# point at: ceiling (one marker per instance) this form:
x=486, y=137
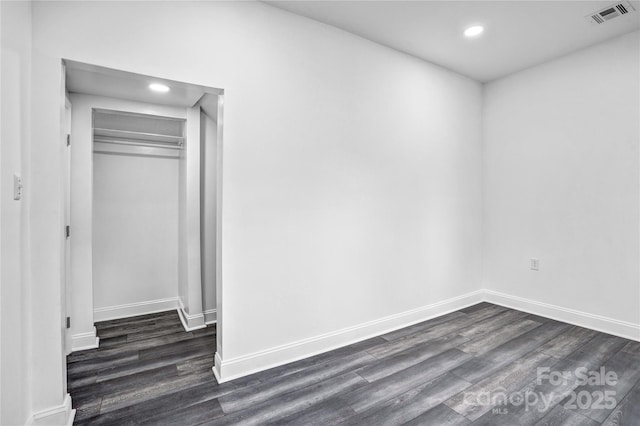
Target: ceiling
x=518, y=34
x=100, y=81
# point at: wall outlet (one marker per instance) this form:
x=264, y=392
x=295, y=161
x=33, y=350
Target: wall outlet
x=535, y=264
x=17, y=187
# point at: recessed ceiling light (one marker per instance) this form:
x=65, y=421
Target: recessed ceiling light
x=157, y=87
x=474, y=31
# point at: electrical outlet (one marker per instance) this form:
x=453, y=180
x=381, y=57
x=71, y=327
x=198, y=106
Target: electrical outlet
x=17, y=187
x=535, y=264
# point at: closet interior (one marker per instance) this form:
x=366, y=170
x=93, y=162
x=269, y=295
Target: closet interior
x=136, y=208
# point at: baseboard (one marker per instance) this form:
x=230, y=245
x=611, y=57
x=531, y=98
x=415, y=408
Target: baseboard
x=595, y=322
x=190, y=322
x=226, y=370
x=217, y=361
x=134, y=309
x=83, y=341
x=210, y=316
x=63, y=414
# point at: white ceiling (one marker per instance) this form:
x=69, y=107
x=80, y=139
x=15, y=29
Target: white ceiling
x=518, y=34
x=101, y=81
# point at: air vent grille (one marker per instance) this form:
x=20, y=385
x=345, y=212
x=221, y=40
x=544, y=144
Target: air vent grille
x=610, y=12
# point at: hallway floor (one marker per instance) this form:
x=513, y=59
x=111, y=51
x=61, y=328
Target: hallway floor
x=452, y=370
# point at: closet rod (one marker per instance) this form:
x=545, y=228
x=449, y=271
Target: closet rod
x=136, y=143
x=140, y=135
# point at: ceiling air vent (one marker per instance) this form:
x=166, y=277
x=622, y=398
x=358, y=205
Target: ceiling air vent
x=608, y=13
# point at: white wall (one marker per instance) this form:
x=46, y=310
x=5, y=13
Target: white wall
x=189, y=270
x=561, y=181
x=135, y=228
x=208, y=195
x=352, y=173
x=15, y=309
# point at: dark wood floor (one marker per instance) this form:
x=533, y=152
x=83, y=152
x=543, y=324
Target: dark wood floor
x=149, y=371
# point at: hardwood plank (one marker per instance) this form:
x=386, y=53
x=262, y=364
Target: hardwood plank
x=283, y=385
x=452, y=321
x=496, y=359
x=484, y=343
x=632, y=348
x=164, y=404
x=568, y=342
x=191, y=415
x=486, y=312
x=330, y=412
x=137, y=394
x=387, y=366
x=303, y=364
x=152, y=363
x=421, y=326
x=405, y=380
x=605, y=344
x=491, y=324
x=285, y=405
x=136, y=327
x=627, y=412
x=412, y=403
x=97, y=364
x=625, y=366
x=146, y=378
x=478, y=399
x=447, y=329
x=476, y=307
x=561, y=417
x=547, y=394
x=439, y=415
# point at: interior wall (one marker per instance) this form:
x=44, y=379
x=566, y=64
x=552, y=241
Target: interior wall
x=561, y=171
x=135, y=228
x=190, y=271
x=182, y=227
x=352, y=173
x=208, y=195
x=15, y=309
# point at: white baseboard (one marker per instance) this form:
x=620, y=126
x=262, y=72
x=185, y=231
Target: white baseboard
x=62, y=415
x=226, y=370
x=595, y=322
x=134, y=309
x=210, y=316
x=217, y=361
x=190, y=322
x=82, y=341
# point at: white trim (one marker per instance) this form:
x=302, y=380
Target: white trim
x=190, y=322
x=217, y=362
x=234, y=368
x=82, y=341
x=210, y=316
x=607, y=325
x=61, y=415
x=134, y=309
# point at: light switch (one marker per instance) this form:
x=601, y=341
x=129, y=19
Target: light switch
x=535, y=264
x=17, y=187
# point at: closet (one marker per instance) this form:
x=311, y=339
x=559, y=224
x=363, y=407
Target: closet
x=136, y=208
x=145, y=205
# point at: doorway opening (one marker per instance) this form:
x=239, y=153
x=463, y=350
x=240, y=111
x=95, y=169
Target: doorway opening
x=145, y=200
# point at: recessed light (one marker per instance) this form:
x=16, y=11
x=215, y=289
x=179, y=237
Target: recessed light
x=474, y=31
x=157, y=87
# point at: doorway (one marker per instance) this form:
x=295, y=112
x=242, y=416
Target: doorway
x=145, y=170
